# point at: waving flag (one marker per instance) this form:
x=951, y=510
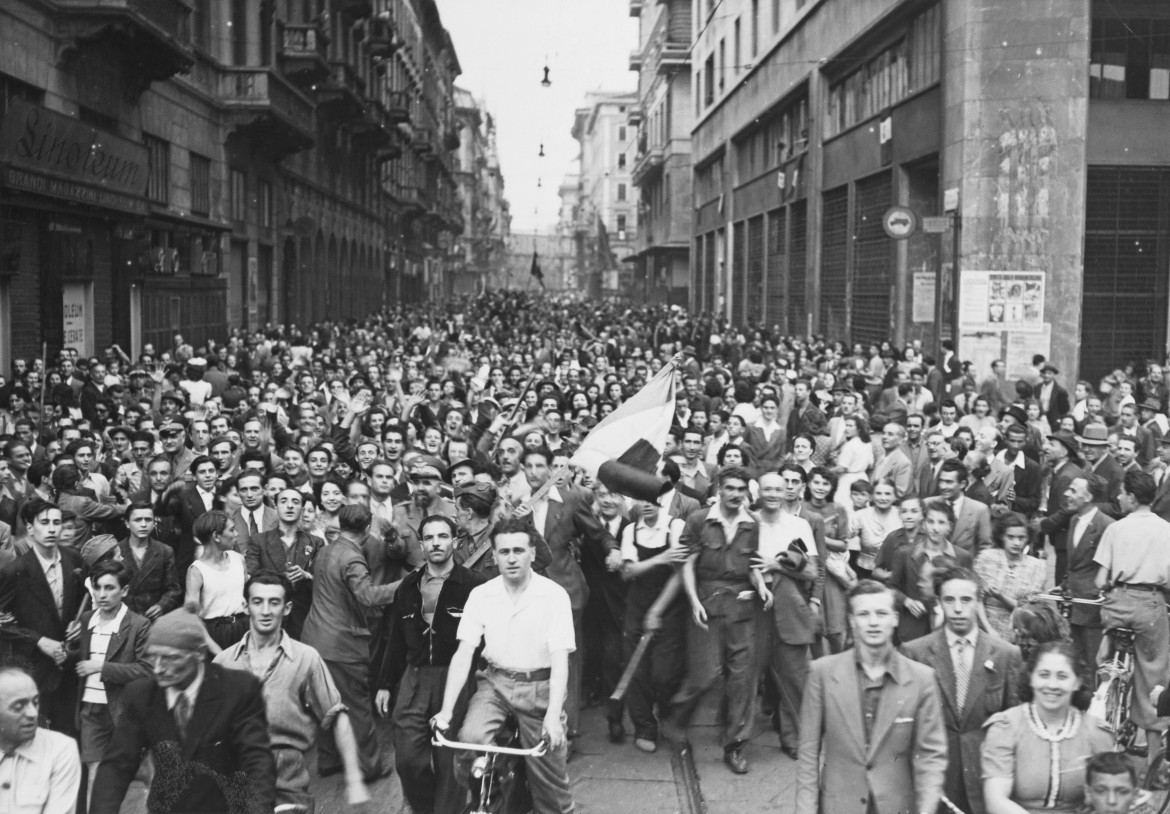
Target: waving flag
x=624, y=449
x=535, y=270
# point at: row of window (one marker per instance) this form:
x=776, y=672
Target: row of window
x=158, y=185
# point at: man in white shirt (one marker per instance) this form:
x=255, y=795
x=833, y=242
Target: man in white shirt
x=786, y=558
x=40, y=772
x=525, y=623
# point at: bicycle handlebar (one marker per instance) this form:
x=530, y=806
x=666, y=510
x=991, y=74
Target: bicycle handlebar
x=536, y=751
x=1075, y=600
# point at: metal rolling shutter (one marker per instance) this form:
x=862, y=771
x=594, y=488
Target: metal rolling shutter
x=834, y=255
x=872, y=261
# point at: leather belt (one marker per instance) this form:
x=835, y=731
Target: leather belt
x=543, y=674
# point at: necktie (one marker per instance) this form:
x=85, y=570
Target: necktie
x=253, y=529
x=182, y=714
x=962, y=673
x=54, y=577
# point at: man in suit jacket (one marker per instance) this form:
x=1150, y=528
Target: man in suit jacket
x=766, y=437
x=976, y=675
x=337, y=628
x=1060, y=447
x=1095, y=445
x=42, y=589
x=898, y=762
x=894, y=464
x=1161, y=504
x=563, y=516
x=154, y=587
x=253, y=518
x=1128, y=426
x=1083, y=499
x=1054, y=403
x=291, y=552
x=186, y=504
x=204, y=726
x=972, y=531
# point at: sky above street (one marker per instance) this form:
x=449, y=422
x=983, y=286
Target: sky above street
x=503, y=46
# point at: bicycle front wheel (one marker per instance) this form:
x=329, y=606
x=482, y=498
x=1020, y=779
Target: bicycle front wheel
x=1117, y=712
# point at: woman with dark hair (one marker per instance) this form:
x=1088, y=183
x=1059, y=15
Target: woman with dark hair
x=1008, y=573
x=913, y=567
x=854, y=458
x=1035, y=622
x=839, y=577
x=215, y=581
x=1034, y=754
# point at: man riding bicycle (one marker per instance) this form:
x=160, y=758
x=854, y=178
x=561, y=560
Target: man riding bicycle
x=525, y=623
x=1134, y=556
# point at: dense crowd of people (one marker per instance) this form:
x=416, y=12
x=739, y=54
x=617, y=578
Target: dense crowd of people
x=222, y=556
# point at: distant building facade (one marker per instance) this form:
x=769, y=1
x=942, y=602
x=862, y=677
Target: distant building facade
x=482, y=250
x=662, y=121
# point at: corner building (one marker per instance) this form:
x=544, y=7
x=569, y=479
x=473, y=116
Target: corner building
x=1039, y=121
x=193, y=166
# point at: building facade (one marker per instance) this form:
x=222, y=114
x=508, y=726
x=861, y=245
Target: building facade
x=486, y=215
x=606, y=211
x=662, y=121
x=192, y=167
x=555, y=254
x=1033, y=127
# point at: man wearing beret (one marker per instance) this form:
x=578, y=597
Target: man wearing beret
x=204, y=725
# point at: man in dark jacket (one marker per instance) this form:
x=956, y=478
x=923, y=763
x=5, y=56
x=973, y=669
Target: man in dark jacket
x=111, y=653
x=205, y=728
x=42, y=589
x=423, y=625
x=154, y=587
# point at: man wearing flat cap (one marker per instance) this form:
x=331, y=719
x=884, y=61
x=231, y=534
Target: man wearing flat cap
x=204, y=725
x=1054, y=403
x=1063, y=455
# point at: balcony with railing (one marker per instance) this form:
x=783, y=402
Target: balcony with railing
x=303, y=55
x=152, y=36
x=372, y=128
x=340, y=96
x=424, y=141
x=380, y=38
x=647, y=164
x=673, y=56
x=398, y=106
x=264, y=107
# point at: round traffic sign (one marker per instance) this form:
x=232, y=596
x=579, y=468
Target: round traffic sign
x=900, y=222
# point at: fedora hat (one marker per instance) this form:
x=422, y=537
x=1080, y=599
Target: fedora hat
x=1068, y=439
x=1095, y=435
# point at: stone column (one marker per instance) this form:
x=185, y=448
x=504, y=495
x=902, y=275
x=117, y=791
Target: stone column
x=1015, y=89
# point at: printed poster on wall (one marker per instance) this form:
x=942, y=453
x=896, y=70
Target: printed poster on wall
x=922, y=297
x=1002, y=301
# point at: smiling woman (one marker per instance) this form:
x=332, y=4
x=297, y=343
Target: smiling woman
x=1035, y=753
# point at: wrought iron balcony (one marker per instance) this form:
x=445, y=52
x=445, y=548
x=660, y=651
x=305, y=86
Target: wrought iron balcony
x=264, y=107
x=372, y=128
x=398, y=106
x=340, y=94
x=303, y=53
x=152, y=37
x=424, y=141
x=380, y=40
